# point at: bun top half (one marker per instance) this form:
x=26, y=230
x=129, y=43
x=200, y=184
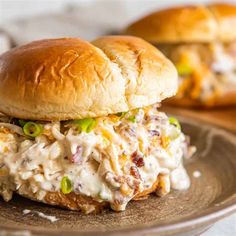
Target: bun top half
x=186, y=24
x=68, y=78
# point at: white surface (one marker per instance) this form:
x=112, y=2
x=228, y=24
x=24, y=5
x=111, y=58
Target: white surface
x=15, y=9
x=86, y=19
x=77, y=18
x=225, y=227
x=4, y=42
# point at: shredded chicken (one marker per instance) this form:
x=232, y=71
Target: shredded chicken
x=120, y=157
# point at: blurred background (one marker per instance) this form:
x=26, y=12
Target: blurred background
x=22, y=21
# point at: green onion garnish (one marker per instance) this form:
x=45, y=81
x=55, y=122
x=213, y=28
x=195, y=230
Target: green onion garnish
x=175, y=122
x=32, y=129
x=102, y=196
x=184, y=69
x=22, y=122
x=86, y=125
x=66, y=185
x=131, y=119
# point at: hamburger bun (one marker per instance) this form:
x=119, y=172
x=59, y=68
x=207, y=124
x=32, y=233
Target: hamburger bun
x=191, y=25
x=68, y=78
x=78, y=202
x=187, y=24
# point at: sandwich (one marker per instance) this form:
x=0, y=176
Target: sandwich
x=80, y=125
x=201, y=42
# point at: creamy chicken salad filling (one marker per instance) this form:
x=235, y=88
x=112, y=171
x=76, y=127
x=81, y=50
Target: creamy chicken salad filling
x=112, y=159
x=205, y=70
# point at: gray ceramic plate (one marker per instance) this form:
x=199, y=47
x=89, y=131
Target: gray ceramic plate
x=211, y=197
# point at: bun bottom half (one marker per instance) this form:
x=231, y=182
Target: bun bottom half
x=78, y=202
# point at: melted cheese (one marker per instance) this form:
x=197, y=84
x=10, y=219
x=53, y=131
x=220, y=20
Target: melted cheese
x=212, y=75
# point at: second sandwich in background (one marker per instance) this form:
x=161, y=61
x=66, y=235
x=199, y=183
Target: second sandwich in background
x=201, y=42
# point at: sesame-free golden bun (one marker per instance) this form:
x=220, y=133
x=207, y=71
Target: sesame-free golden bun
x=79, y=202
x=187, y=24
x=68, y=78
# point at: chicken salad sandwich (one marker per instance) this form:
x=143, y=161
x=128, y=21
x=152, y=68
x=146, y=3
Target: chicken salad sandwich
x=201, y=42
x=80, y=125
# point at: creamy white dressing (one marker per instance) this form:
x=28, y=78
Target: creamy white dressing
x=223, y=62
x=41, y=214
x=151, y=170
x=89, y=182
x=114, y=162
x=197, y=174
x=179, y=178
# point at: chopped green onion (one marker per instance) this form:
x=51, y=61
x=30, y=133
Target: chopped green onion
x=175, y=122
x=66, y=185
x=103, y=196
x=86, y=125
x=22, y=122
x=121, y=114
x=184, y=69
x=132, y=119
x=32, y=129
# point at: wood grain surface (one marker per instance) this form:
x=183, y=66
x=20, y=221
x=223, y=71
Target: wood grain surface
x=222, y=117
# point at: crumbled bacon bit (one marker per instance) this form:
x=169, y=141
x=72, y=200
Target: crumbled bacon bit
x=113, y=180
x=134, y=172
x=126, y=130
x=137, y=159
x=154, y=132
x=134, y=183
x=161, y=120
x=119, y=199
x=77, y=157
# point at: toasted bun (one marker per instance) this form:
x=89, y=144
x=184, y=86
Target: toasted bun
x=226, y=99
x=187, y=24
x=225, y=15
x=78, y=202
x=68, y=78
x=72, y=201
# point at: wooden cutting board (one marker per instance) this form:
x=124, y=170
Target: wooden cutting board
x=222, y=117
